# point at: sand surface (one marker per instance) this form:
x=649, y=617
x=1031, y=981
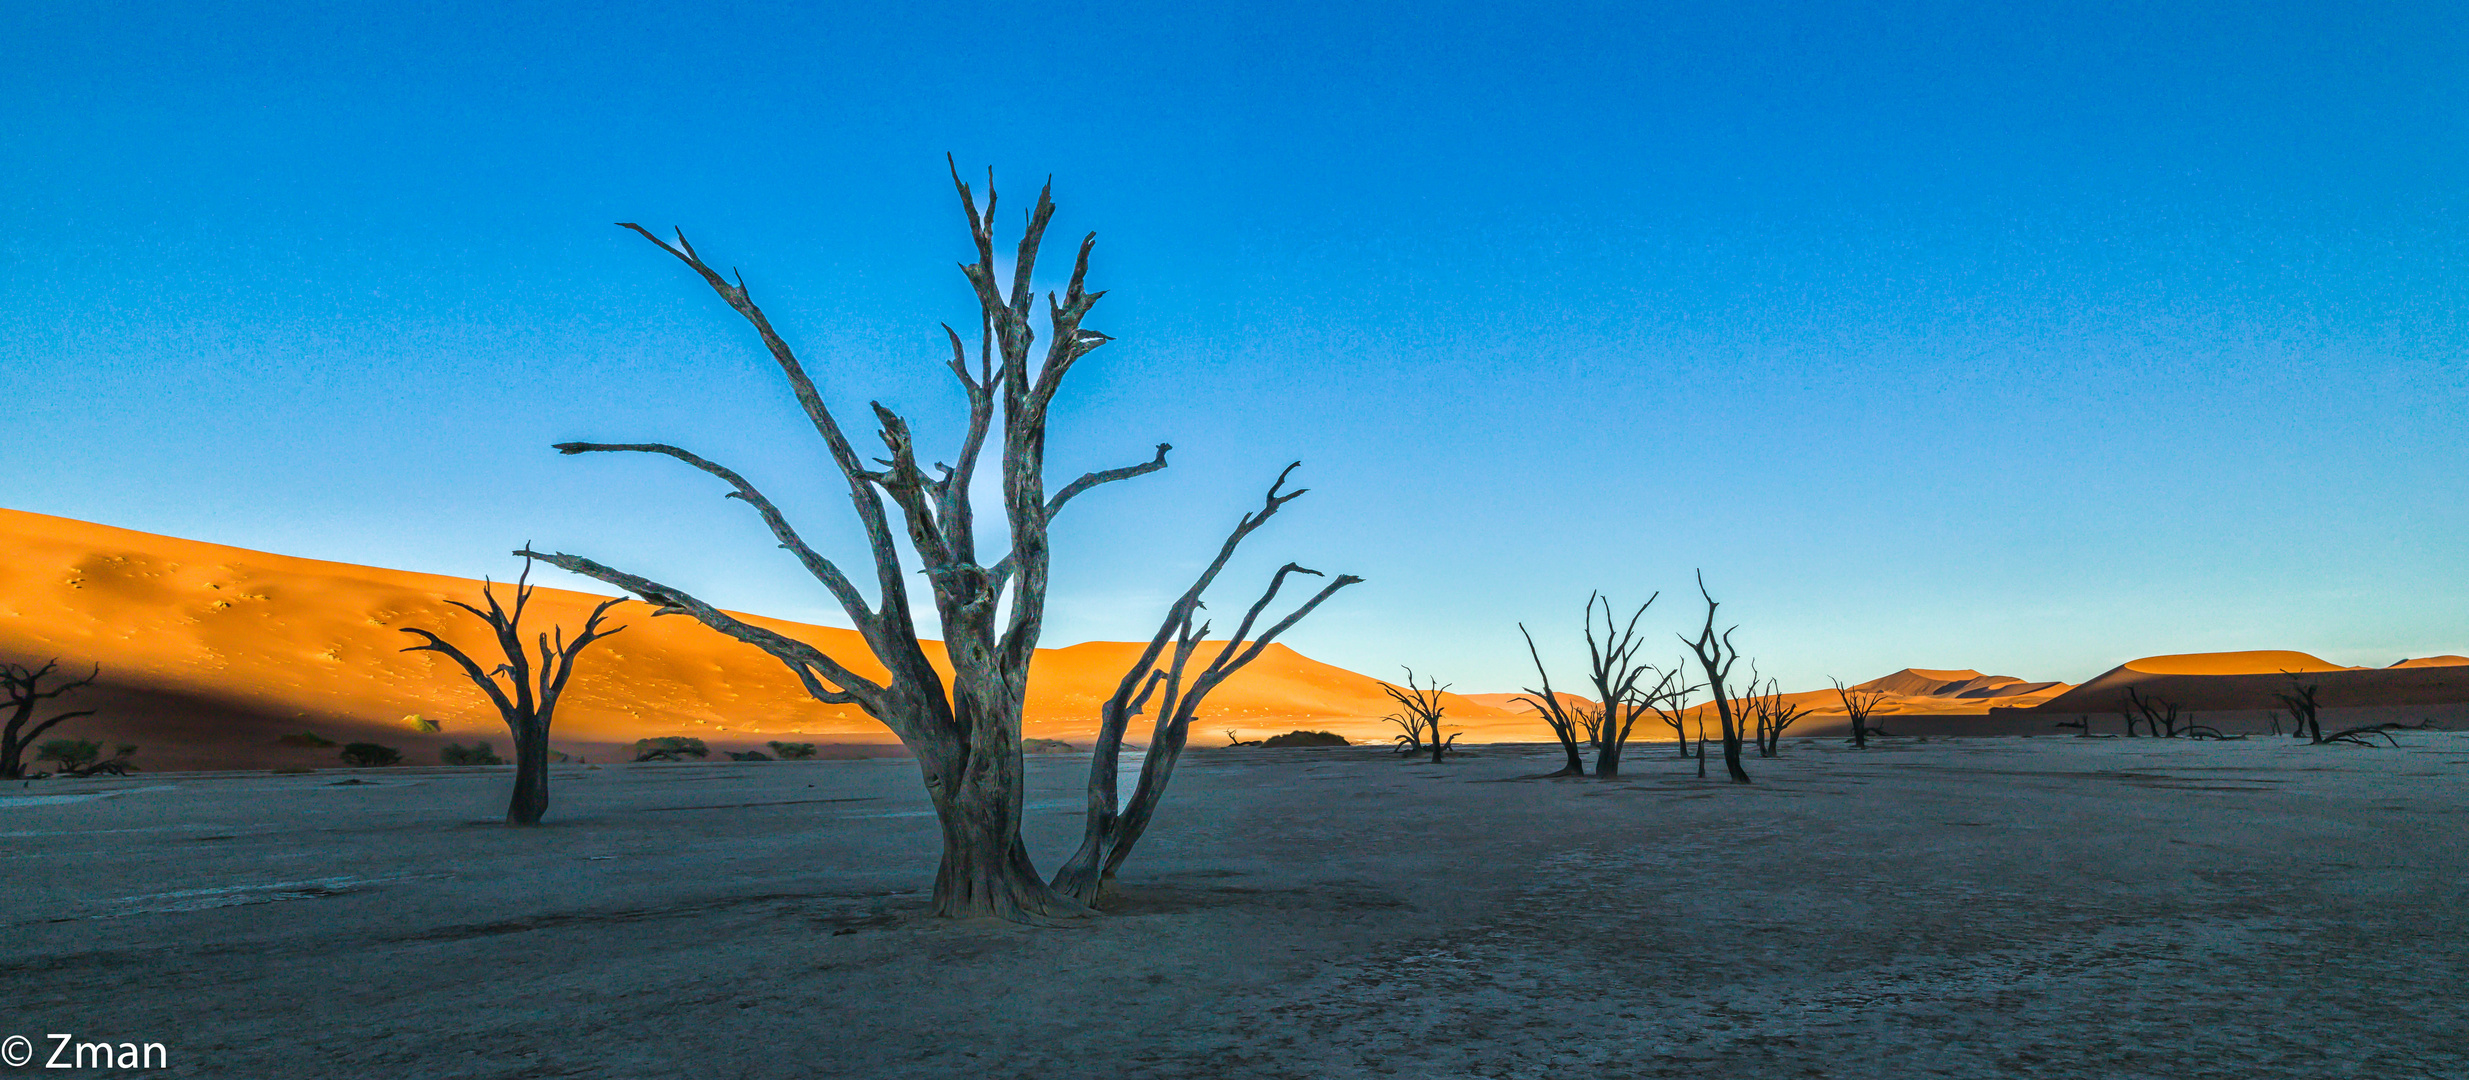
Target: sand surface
x=1992, y=907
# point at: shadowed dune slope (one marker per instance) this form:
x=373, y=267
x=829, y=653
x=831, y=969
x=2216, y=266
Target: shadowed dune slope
x=2237, y=681
x=210, y=654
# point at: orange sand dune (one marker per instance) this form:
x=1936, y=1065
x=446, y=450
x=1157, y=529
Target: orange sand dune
x=2258, y=662
x=2434, y=661
x=211, y=653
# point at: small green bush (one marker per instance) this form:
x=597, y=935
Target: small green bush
x=369, y=755
x=478, y=753
x=750, y=755
x=1044, y=746
x=792, y=751
x=70, y=753
x=669, y=748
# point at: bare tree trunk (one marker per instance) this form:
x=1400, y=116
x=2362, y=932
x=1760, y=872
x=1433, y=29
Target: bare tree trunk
x=1716, y=655
x=531, y=776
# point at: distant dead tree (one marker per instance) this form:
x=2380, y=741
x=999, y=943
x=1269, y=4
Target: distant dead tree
x=1669, y=701
x=965, y=730
x=1418, y=713
x=1858, y=704
x=528, y=700
x=2300, y=700
x=1770, y=714
x=1717, y=655
x=1566, y=724
x=1111, y=827
x=2164, y=718
x=24, y=686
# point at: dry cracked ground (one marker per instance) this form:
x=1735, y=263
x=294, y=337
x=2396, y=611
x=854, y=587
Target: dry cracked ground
x=1994, y=907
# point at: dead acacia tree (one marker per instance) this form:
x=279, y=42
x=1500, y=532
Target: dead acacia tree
x=1419, y=711
x=1613, y=668
x=528, y=700
x=1770, y=714
x=2305, y=710
x=24, y=686
x=1669, y=700
x=1858, y=704
x=1111, y=828
x=965, y=733
x=1547, y=702
x=1716, y=655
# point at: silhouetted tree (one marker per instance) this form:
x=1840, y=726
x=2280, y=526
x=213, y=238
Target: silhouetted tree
x=25, y=690
x=369, y=755
x=1110, y=828
x=528, y=700
x=1669, y=699
x=1716, y=654
x=2303, y=708
x=1772, y=715
x=1859, y=704
x=1565, y=724
x=1613, y=668
x=964, y=731
x=1418, y=713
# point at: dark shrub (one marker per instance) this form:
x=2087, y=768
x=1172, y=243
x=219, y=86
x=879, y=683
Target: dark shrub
x=670, y=748
x=792, y=751
x=750, y=755
x=478, y=753
x=369, y=755
x=307, y=740
x=72, y=754
x=1306, y=738
x=1044, y=746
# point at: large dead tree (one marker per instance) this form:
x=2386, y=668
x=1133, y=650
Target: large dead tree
x=965, y=733
x=24, y=686
x=1112, y=827
x=528, y=700
x=1716, y=654
x=1419, y=712
x=1858, y=704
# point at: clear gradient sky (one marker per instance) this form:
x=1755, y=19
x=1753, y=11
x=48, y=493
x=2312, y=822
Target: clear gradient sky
x=2027, y=338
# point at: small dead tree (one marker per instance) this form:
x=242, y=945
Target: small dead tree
x=1111, y=828
x=1668, y=699
x=1716, y=654
x=528, y=700
x=1858, y=704
x=2302, y=706
x=1565, y=724
x=2300, y=701
x=2164, y=718
x=24, y=686
x=1419, y=711
x=1772, y=715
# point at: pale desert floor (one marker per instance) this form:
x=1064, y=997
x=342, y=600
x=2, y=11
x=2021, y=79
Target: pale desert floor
x=1988, y=907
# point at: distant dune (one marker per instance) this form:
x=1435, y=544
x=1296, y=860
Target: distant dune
x=2246, y=682
x=210, y=654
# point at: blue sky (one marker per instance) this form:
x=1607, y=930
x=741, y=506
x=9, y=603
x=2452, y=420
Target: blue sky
x=1938, y=334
